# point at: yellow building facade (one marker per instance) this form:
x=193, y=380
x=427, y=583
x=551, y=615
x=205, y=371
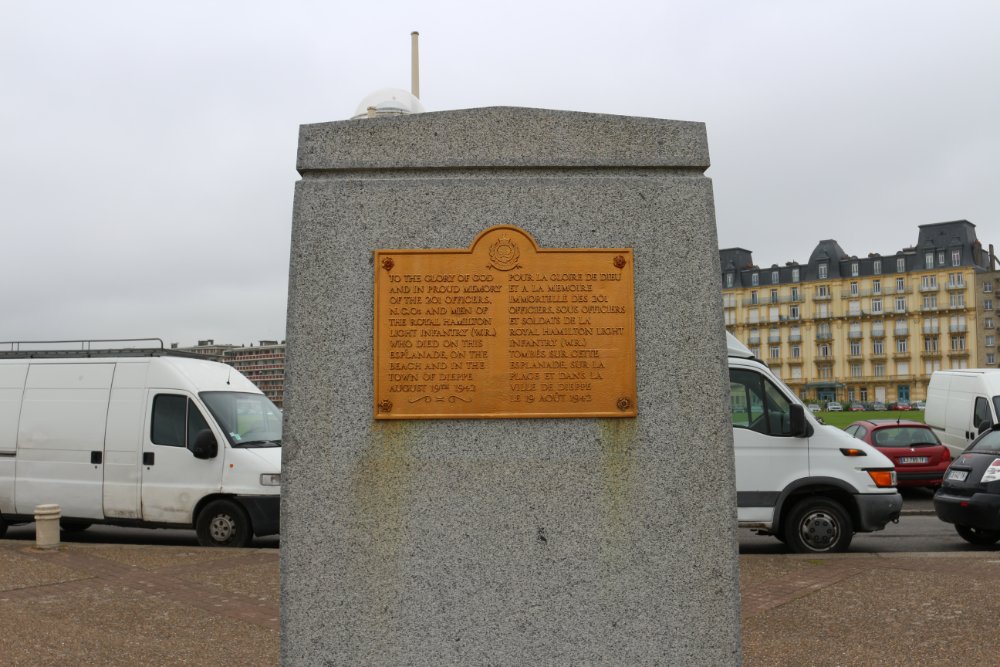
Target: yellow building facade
x=868, y=329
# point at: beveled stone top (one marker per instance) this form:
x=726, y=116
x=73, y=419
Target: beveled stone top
x=502, y=137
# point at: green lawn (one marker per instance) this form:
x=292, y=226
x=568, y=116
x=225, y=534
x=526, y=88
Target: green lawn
x=842, y=419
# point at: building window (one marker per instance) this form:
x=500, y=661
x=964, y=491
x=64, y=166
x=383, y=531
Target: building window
x=988, y=323
x=856, y=370
x=774, y=351
x=957, y=300
x=854, y=288
x=931, y=344
x=795, y=294
x=774, y=296
x=755, y=279
x=793, y=312
x=902, y=368
x=901, y=345
x=929, y=260
x=795, y=274
x=960, y=363
x=928, y=282
x=855, y=348
x=987, y=286
x=824, y=350
x=900, y=264
x=854, y=308
x=864, y=394
x=797, y=372
x=931, y=365
x=729, y=279
x=876, y=287
x=876, y=305
x=822, y=291
x=930, y=302
x=753, y=316
x=825, y=372
x=956, y=280
x=773, y=310
x=900, y=284
x=956, y=257
x=796, y=351
x=822, y=271
x=854, y=268
x=958, y=343
x=878, y=370
x=991, y=358
x=753, y=298
x=900, y=304
x=987, y=304
x=755, y=351
x=991, y=341
x=774, y=278
x=878, y=347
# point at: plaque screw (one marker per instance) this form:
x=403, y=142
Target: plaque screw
x=385, y=405
x=387, y=263
x=619, y=262
x=624, y=404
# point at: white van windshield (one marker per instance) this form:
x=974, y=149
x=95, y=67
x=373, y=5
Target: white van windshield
x=248, y=420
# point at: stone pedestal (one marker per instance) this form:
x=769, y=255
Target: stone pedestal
x=507, y=541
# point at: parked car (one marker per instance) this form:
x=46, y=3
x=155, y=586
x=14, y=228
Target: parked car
x=914, y=449
x=834, y=406
x=856, y=407
x=878, y=406
x=918, y=405
x=810, y=485
x=961, y=404
x=900, y=406
x=969, y=496
x=813, y=407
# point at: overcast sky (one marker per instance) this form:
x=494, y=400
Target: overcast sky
x=147, y=149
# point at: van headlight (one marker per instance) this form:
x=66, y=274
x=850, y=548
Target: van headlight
x=270, y=479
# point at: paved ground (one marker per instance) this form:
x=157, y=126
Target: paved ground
x=130, y=604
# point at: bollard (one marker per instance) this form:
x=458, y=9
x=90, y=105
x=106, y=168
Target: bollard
x=47, y=526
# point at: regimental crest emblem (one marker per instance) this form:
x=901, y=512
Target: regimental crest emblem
x=504, y=254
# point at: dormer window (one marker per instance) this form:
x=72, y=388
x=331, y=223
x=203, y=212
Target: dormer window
x=822, y=271
x=755, y=279
x=900, y=264
x=854, y=268
x=956, y=257
x=877, y=267
x=929, y=260
x=729, y=279
x=775, y=278
x=795, y=274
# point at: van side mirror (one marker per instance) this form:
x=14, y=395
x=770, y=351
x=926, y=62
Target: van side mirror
x=797, y=420
x=205, y=446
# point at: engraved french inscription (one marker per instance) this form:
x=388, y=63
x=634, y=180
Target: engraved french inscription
x=504, y=329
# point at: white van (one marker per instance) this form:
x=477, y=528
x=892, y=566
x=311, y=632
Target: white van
x=961, y=404
x=809, y=484
x=136, y=437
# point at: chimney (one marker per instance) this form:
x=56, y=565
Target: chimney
x=415, y=64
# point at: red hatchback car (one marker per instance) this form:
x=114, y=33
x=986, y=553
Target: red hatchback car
x=919, y=457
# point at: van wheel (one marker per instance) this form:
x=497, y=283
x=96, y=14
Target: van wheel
x=223, y=523
x=818, y=525
x=978, y=536
x=71, y=526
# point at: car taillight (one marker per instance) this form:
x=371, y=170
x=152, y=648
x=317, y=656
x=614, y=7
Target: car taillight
x=883, y=478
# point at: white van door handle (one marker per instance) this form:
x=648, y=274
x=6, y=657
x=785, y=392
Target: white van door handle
x=96, y=457
x=148, y=458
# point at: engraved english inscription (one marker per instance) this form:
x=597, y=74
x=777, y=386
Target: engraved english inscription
x=504, y=329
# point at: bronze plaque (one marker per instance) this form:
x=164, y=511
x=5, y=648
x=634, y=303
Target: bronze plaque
x=504, y=329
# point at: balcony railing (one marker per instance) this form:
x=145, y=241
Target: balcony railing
x=957, y=285
x=794, y=338
x=900, y=332
x=855, y=334
x=878, y=333
x=774, y=338
x=957, y=328
x=958, y=353
x=824, y=335
x=822, y=297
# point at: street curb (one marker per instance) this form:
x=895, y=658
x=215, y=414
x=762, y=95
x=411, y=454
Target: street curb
x=917, y=513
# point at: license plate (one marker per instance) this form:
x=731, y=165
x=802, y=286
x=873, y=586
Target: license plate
x=958, y=475
x=913, y=459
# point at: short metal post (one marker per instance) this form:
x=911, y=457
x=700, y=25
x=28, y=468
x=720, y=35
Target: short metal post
x=47, y=526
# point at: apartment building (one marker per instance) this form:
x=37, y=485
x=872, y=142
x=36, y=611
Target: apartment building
x=987, y=292
x=262, y=364
x=874, y=328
